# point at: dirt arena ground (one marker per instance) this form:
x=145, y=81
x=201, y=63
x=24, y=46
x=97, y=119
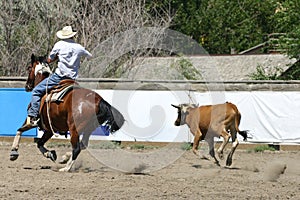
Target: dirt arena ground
x=260, y=175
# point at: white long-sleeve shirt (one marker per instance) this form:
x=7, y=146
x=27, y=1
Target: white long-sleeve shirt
x=69, y=54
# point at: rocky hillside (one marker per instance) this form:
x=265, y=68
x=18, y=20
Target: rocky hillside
x=223, y=68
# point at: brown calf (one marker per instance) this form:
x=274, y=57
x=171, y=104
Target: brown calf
x=207, y=122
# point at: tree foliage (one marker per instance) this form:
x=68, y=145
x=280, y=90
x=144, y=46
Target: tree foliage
x=29, y=26
x=220, y=26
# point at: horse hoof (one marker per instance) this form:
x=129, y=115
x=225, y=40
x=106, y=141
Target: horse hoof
x=65, y=158
x=221, y=156
x=204, y=157
x=14, y=155
x=68, y=167
x=82, y=146
x=228, y=163
x=52, y=155
x=63, y=161
x=64, y=169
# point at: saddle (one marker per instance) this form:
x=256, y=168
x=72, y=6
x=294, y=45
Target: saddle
x=58, y=92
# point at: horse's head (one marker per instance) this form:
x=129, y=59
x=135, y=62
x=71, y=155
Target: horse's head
x=38, y=70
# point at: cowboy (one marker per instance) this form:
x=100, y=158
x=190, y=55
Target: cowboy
x=68, y=53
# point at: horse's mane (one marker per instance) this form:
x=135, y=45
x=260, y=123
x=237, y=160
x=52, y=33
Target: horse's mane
x=42, y=59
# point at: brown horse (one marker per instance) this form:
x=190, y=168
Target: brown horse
x=80, y=111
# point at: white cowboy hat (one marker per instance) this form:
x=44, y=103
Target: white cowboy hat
x=65, y=33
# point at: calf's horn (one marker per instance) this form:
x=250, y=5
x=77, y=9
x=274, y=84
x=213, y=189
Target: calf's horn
x=175, y=106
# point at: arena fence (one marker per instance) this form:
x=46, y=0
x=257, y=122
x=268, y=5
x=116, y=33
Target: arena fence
x=270, y=109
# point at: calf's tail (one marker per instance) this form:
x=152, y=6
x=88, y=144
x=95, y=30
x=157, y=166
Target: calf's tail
x=244, y=134
x=237, y=123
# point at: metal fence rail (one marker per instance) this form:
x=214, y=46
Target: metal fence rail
x=125, y=84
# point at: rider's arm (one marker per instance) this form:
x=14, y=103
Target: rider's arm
x=49, y=60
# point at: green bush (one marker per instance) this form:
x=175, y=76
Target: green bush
x=104, y=145
x=58, y=144
x=262, y=148
x=141, y=146
x=261, y=74
x=186, y=146
x=186, y=68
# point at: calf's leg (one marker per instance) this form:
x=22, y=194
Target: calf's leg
x=210, y=142
x=226, y=137
x=197, y=136
x=235, y=143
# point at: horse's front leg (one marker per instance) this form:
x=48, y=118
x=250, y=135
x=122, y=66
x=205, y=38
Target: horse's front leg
x=40, y=144
x=75, y=152
x=14, y=154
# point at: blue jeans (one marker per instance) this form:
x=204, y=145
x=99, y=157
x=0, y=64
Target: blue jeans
x=39, y=91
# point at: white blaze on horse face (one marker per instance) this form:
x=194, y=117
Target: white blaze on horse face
x=38, y=68
x=41, y=68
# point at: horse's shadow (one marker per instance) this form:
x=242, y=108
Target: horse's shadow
x=197, y=166
x=231, y=168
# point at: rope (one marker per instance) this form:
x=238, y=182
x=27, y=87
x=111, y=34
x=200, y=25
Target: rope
x=191, y=99
x=48, y=112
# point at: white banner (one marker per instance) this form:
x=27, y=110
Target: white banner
x=271, y=117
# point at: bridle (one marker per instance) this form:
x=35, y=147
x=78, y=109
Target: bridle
x=39, y=68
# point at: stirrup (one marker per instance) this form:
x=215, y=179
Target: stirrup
x=30, y=123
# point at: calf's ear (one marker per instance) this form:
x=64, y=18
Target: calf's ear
x=175, y=106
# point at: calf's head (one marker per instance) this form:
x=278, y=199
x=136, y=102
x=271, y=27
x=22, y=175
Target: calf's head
x=183, y=111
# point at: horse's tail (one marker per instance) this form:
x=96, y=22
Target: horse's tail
x=110, y=115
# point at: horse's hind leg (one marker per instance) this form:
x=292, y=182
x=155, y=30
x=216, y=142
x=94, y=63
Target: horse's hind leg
x=85, y=140
x=40, y=144
x=75, y=152
x=83, y=145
